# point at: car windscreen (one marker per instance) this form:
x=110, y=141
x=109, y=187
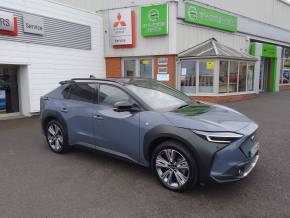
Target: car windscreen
x=159, y=96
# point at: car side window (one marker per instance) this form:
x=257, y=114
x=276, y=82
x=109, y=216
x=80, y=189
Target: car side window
x=86, y=92
x=65, y=92
x=109, y=95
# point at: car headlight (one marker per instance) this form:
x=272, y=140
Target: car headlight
x=218, y=137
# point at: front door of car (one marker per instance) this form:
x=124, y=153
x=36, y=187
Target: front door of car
x=78, y=110
x=116, y=132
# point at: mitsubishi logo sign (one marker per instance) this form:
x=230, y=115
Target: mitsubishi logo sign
x=119, y=22
x=8, y=24
x=122, y=28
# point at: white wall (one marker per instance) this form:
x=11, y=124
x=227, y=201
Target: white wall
x=191, y=35
x=95, y=5
x=47, y=65
x=274, y=12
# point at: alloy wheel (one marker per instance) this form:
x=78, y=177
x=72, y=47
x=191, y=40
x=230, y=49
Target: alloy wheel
x=55, y=137
x=172, y=168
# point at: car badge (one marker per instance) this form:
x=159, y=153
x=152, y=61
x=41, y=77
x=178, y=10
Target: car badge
x=253, y=137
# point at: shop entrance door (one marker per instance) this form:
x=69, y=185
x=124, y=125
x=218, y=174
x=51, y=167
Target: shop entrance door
x=138, y=67
x=9, y=102
x=265, y=74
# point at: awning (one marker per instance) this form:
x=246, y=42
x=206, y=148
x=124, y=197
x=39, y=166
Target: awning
x=213, y=49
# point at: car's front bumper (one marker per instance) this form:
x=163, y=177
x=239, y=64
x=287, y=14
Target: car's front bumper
x=236, y=160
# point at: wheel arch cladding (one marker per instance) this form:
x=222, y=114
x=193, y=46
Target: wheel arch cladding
x=52, y=115
x=201, y=150
x=163, y=133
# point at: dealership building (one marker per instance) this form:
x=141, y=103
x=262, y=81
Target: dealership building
x=210, y=49
x=202, y=47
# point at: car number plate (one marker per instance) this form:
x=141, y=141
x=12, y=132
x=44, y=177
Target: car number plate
x=254, y=149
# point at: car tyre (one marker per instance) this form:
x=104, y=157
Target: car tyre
x=174, y=166
x=56, y=137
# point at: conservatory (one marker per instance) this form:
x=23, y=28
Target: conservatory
x=212, y=69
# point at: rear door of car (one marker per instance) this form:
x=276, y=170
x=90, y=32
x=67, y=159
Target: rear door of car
x=78, y=109
x=117, y=132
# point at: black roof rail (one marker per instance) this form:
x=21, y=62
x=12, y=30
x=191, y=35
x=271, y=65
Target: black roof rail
x=73, y=80
x=66, y=82
x=94, y=79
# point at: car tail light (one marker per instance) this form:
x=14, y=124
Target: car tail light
x=45, y=98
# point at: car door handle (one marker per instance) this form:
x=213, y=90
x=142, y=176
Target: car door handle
x=98, y=117
x=64, y=110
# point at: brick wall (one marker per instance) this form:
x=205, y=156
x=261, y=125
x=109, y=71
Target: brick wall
x=170, y=67
x=113, y=67
x=223, y=99
x=284, y=87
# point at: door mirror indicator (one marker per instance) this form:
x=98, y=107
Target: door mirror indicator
x=122, y=106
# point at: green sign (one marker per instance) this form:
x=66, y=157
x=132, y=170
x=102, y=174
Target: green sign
x=269, y=50
x=208, y=17
x=154, y=20
x=253, y=49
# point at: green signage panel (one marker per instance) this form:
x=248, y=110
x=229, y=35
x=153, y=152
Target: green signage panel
x=253, y=49
x=154, y=20
x=269, y=50
x=208, y=17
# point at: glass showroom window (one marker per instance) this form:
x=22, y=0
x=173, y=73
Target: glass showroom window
x=188, y=76
x=238, y=77
x=242, y=76
x=224, y=77
x=146, y=68
x=206, y=73
x=250, y=77
x=233, y=76
x=285, y=74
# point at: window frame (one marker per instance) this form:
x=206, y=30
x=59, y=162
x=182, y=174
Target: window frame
x=197, y=75
x=253, y=81
x=213, y=75
x=283, y=60
x=137, y=65
x=238, y=84
x=227, y=84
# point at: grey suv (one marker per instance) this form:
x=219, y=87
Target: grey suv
x=185, y=142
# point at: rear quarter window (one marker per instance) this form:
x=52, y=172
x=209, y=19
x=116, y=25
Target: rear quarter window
x=65, y=92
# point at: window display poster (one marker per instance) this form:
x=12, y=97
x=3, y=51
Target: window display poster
x=163, y=77
x=162, y=70
x=183, y=71
x=2, y=100
x=162, y=61
x=209, y=65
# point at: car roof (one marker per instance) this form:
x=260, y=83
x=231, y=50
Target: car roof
x=119, y=80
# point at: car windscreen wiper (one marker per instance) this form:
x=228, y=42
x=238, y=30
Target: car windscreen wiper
x=182, y=106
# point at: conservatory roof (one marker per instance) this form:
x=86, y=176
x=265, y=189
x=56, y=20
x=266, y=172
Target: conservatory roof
x=213, y=49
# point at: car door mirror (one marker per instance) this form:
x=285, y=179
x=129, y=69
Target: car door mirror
x=122, y=106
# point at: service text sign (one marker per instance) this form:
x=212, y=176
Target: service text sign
x=121, y=27
x=154, y=20
x=33, y=24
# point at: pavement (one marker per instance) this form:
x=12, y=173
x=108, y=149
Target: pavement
x=35, y=182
